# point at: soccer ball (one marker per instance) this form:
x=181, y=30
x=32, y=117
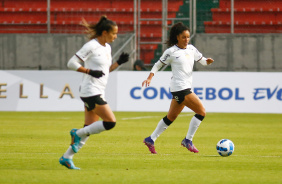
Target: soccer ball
x=225, y=147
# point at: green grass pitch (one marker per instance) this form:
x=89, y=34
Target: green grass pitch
x=32, y=143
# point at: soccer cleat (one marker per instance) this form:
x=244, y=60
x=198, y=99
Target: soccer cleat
x=189, y=145
x=68, y=163
x=74, y=140
x=150, y=144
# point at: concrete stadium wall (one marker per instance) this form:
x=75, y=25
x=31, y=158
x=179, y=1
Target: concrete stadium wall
x=238, y=52
x=46, y=51
x=241, y=52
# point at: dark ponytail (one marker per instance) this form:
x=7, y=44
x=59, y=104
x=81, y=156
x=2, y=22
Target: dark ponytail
x=175, y=30
x=95, y=30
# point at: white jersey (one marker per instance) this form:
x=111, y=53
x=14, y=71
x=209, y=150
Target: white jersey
x=182, y=62
x=95, y=57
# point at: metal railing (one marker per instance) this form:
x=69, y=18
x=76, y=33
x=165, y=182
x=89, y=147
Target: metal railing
x=164, y=19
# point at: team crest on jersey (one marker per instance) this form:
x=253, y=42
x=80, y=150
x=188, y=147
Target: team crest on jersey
x=187, y=56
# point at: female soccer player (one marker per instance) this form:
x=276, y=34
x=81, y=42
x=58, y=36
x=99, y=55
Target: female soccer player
x=96, y=56
x=181, y=57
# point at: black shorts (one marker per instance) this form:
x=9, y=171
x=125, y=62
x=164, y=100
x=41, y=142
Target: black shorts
x=90, y=102
x=179, y=96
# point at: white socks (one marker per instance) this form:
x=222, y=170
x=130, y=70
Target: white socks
x=70, y=153
x=94, y=128
x=84, y=133
x=161, y=127
x=194, y=125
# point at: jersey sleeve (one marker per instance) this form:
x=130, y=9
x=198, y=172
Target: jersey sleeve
x=197, y=55
x=166, y=57
x=85, y=52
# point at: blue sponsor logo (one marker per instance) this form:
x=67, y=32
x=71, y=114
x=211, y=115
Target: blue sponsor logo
x=208, y=93
x=223, y=93
x=150, y=93
x=267, y=93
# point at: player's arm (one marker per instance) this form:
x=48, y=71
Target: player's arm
x=201, y=59
x=205, y=61
x=123, y=58
x=147, y=82
x=158, y=65
x=75, y=64
x=113, y=66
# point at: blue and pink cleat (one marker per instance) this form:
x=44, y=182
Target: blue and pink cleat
x=189, y=145
x=150, y=144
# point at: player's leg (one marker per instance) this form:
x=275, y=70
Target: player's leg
x=80, y=136
x=175, y=109
x=66, y=159
x=108, y=122
x=172, y=114
x=105, y=112
x=193, y=102
x=90, y=117
x=96, y=107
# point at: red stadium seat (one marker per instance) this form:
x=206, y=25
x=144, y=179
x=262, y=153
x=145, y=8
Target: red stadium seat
x=244, y=27
x=243, y=14
x=23, y=14
x=23, y=26
x=250, y=16
x=24, y=4
x=147, y=51
x=251, y=3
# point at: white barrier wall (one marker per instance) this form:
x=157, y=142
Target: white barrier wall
x=250, y=92
x=39, y=91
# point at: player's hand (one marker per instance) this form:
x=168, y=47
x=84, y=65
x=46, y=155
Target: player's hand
x=123, y=58
x=146, y=83
x=95, y=73
x=209, y=61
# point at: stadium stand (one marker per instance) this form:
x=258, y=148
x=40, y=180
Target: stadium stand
x=213, y=16
x=250, y=16
x=203, y=14
x=30, y=16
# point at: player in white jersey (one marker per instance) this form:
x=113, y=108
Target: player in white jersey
x=96, y=56
x=181, y=57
